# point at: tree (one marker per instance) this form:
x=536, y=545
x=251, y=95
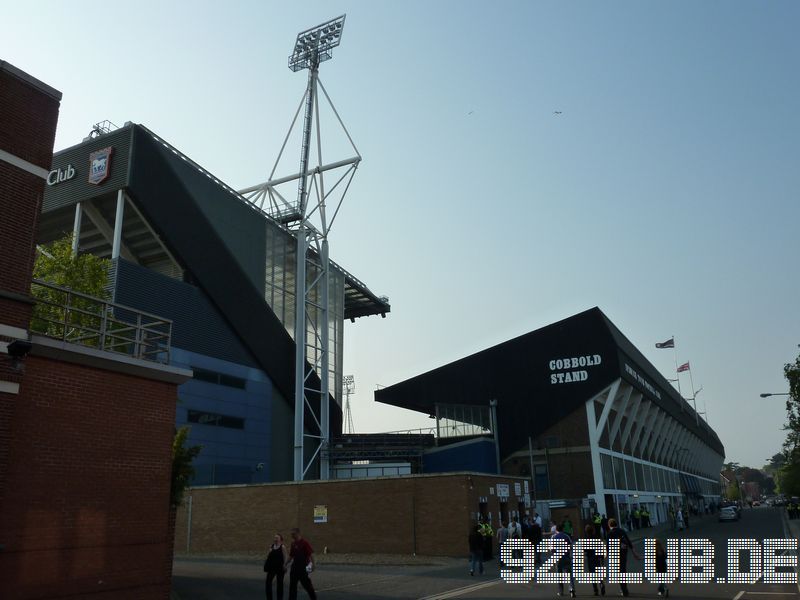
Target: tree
x=58, y=313
x=732, y=491
x=182, y=469
x=790, y=471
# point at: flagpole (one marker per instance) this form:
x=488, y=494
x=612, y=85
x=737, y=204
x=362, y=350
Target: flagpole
x=694, y=396
x=678, y=375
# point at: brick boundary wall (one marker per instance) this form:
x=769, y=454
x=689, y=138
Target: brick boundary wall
x=86, y=509
x=429, y=515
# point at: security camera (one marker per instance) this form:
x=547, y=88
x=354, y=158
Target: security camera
x=260, y=467
x=19, y=349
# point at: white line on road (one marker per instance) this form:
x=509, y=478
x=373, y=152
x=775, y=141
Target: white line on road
x=770, y=593
x=739, y=595
x=462, y=590
x=349, y=585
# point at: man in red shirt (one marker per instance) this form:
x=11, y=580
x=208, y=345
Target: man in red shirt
x=300, y=565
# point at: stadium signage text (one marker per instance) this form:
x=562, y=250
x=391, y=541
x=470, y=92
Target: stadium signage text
x=60, y=175
x=575, y=363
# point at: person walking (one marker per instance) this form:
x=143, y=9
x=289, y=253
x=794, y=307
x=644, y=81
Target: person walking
x=604, y=526
x=592, y=561
x=661, y=566
x=536, y=539
x=568, y=527
x=301, y=563
x=488, y=539
x=275, y=566
x=502, y=536
x=625, y=544
x=475, y=550
x=679, y=520
x=564, y=564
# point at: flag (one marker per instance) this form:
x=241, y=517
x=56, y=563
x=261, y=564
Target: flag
x=683, y=367
x=670, y=343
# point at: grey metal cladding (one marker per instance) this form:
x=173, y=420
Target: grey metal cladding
x=167, y=203
x=197, y=325
x=78, y=188
x=238, y=225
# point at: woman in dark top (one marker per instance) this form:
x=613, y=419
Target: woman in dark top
x=275, y=566
x=591, y=560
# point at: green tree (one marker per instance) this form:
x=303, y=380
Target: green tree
x=732, y=492
x=790, y=471
x=59, y=313
x=182, y=469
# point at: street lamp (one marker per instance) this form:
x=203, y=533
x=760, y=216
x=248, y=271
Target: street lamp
x=765, y=395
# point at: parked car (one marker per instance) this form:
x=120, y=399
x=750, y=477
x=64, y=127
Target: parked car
x=728, y=513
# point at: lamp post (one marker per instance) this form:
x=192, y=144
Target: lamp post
x=767, y=395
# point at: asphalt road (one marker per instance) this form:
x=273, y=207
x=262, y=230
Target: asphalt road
x=195, y=579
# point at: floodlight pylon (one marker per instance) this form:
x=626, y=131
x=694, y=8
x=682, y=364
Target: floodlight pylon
x=349, y=389
x=312, y=47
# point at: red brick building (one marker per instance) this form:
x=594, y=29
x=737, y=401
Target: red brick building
x=85, y=432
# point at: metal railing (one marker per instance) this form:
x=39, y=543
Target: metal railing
x=78, y=318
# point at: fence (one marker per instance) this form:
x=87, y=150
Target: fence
x=78, y=318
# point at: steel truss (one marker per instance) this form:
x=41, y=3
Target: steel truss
x=623, y=422
x=308, y=219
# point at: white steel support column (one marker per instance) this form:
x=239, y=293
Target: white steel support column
x=118, y=221
x=662, y=451
x=647, y=429
x=300, y=351
x=637, y=402
x=612, y=434
x=594, y=450
x=324, y=368
x=658, y=430
x=76, y=229
x=644, y=423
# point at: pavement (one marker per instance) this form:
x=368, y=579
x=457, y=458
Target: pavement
x=399, y=578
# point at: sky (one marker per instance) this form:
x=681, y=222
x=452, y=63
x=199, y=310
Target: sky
x=666, y=191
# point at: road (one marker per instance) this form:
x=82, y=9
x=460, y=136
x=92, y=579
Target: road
x=195, y=579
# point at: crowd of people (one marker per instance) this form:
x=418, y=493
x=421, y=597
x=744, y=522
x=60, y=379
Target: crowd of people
x=482, y=539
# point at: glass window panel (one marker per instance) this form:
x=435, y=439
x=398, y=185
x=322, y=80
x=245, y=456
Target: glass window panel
x=630, y=474
x=608, y=472
x=619, y=473
x=639, y=476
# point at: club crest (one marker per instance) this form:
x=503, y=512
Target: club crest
x=100, y=165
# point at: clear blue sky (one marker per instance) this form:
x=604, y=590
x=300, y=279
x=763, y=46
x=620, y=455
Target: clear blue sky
x=666, y=193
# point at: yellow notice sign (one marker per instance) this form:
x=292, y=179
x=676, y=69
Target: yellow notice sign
x=321, y=513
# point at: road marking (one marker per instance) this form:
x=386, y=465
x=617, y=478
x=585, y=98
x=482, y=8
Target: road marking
x=769, y=593
x=350, y=585
x=463, y=590
x=739, y=595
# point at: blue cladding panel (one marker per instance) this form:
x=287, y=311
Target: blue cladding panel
x=477, y=455
x=229, y=455
x=196, y=322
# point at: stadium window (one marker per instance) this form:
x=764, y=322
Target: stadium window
x=219, y=378
x=215, y=419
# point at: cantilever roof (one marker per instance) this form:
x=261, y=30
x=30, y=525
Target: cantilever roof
x=516, y=374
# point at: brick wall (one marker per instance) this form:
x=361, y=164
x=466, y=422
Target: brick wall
x=423, y=514
x=85, y=453
x=28, y=118
x=86, y=508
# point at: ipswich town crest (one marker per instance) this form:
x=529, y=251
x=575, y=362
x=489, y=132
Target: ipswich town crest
x=100, y=165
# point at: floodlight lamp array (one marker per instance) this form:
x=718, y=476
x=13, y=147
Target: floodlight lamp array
x=314, y=45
